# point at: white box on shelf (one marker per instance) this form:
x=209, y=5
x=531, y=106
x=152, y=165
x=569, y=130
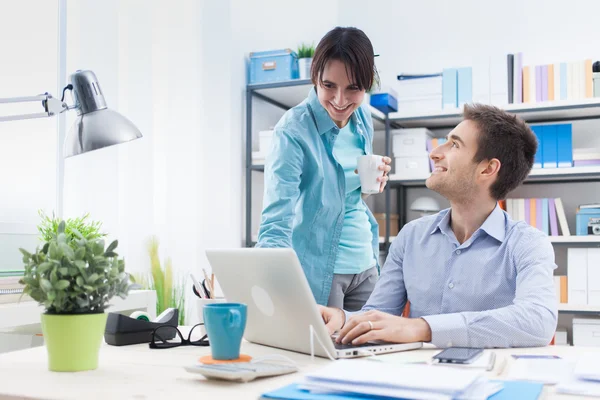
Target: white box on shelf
x=586, y=332
x=593, y=276
x=264, y=141
x=408, y=142
x=560, y=338
x=577, y=273
x=407, y=168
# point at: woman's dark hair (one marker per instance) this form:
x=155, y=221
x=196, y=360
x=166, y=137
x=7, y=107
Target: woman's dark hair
x=352, y=47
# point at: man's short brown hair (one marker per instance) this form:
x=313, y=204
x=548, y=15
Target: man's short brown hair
x=507, y=138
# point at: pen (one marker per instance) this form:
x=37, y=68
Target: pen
x=212, y=286
x=196, y=285
x=207, y=282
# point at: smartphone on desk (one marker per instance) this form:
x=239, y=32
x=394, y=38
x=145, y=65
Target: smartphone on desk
x=458, y=355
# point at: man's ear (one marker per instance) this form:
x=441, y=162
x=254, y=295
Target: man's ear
x=490, y=168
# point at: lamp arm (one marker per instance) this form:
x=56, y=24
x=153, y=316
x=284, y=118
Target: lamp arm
x=52, y=106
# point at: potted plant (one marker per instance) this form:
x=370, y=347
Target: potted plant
x=74, y=278
x=305, y=56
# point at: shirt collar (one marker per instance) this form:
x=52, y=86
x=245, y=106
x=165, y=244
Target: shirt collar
x=494, y=225
x=322, y=118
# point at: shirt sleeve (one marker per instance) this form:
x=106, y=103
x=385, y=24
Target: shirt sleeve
x=283, y=171
x=531, y=319
x=389, y=294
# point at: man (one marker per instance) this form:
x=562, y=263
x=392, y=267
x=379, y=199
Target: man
x=473, y=276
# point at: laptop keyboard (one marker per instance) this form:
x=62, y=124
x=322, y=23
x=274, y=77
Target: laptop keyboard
x=340, y=346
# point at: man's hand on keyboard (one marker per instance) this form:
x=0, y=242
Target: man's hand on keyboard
x=334, y=318
x=377, y=325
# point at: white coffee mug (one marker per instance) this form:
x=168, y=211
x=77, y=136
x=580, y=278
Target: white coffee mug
x=368, y=172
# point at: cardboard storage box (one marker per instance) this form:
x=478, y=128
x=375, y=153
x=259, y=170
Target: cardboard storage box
x=273, y=66
x=394, y=218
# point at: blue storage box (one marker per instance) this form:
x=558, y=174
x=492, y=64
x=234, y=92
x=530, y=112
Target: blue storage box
x=384, y=102
x=583, y=218
x=273, y=66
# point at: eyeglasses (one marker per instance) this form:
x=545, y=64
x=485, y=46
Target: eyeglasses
x=168, y=336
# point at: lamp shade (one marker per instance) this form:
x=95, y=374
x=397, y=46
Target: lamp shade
x=425, y=204
x=96, y=126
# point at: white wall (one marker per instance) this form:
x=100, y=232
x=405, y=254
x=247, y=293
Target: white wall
x=28, y=67
x=178, y=71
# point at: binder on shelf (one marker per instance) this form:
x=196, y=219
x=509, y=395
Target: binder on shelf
x=551, y=80
x=538, y=131
x=450, y=88
x=527, y=85
x=553, y=219
x=510, y=61
x=549, y=144
x=544, y=79
x=593, y=276
x=564, y=141
x=465, y=86
x=577, y=272
x=564, y=82
x=545, y=217
x=518, y=78
x=562, y=218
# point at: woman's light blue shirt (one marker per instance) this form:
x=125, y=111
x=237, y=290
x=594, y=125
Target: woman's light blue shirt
x=354, y=255
x=305, y=190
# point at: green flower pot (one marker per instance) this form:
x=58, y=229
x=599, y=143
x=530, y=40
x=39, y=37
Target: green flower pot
x=73, y=341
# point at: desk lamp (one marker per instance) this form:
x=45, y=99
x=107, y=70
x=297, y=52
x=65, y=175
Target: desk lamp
x=96, y=125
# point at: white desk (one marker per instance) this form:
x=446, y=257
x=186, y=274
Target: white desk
x=142, y=373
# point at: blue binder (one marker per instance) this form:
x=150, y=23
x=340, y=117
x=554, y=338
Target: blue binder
x=549, y=144
x=513, y=390
x=564, y=138
x=538, y=130
x=450, y=88
x=465, y=86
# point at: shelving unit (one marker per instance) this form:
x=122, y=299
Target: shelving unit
x=577, y=309
x=286, y=95
x=556, y=111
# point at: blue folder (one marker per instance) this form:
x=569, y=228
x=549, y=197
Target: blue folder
x=538, y=130
x=564, y=144
x=513, y=390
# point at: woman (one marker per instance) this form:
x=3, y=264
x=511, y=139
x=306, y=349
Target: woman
x=313, y=199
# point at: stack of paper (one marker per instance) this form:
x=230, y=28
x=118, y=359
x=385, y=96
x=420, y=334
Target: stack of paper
x=585, y=380
x=412, y=381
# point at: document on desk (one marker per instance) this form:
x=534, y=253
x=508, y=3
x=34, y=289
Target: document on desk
x=546, y=371
x=585, y=379
x=400, y=380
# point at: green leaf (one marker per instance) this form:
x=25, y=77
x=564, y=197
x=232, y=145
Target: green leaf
x=110, y=254
x=51, y=295
x=45, y=285
x=67, y=251
x=62, y=284
x=77, y=233
x=79, y=280
x=53, y=276
x=80, y=253
x=53, y=251
x=61, y=227
x=80, y=264
x=112, y=246
x=45, y=266
x=61, y=238
x=64, y=271
x=92, y=278
x=26, y=253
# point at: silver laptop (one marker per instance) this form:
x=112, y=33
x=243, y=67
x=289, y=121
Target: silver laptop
x=281, y=306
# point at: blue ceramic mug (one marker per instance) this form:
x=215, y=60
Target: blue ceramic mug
x=225, y=324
